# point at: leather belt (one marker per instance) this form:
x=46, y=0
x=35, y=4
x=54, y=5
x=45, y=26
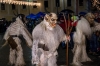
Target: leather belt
x=43, y=46
x=13, y=35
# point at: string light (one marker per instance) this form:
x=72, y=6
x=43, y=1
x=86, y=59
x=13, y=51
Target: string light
x=19, y=2
x=96, y=3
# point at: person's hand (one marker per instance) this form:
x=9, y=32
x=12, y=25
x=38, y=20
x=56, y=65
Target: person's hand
x=68, y=37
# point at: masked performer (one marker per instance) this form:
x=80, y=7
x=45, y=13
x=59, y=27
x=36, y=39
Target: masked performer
x=11, y=36
x=46, y=38
x=84, y=28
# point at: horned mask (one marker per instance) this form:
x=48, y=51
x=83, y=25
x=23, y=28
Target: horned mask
x=51, y=19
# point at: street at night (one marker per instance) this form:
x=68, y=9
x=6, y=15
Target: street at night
x=61, y=61
x=49, y=32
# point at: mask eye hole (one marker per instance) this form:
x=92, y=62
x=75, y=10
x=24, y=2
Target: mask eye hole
x=91, y=18
x=53, y=19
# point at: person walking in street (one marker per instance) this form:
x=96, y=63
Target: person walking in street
x=12, y=35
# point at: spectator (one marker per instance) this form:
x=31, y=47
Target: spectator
x=94, y=44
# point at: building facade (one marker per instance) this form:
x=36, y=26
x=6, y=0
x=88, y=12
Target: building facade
x=8, y=10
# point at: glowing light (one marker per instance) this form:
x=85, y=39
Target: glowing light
x=19, y=2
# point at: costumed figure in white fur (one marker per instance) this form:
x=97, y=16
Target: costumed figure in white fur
x=95, y=26
x=11, y=36
x=84, y=28
x=46, y=38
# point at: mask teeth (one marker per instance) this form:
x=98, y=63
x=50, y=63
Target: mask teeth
x=52, y=25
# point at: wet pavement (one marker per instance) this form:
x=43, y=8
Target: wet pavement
x=61, y=59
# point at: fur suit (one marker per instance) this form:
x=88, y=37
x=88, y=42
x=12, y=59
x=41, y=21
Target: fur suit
x=85, y=27
x=48, y=34
x=17, y=28
x=79, y=50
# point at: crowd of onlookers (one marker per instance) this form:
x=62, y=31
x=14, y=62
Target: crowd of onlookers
x=94, y=43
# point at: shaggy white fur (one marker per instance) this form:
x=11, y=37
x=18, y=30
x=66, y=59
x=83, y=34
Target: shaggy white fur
x=82, y=29
x=17, y=28
x=49, y=36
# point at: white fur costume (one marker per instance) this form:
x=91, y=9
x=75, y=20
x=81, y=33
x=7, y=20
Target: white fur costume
x=49, y=36
x=17, y=28
x=79, y=50
x=83, y=29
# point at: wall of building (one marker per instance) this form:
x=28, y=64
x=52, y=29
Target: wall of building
x=8, y=13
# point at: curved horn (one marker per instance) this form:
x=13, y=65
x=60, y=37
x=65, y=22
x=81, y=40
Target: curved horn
x=14, y=13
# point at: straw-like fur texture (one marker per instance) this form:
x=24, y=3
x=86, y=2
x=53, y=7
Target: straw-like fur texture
x=17, y=28
x=44, y=33
x=85, y=27
x=82, y=29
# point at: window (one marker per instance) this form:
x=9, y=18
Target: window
x=46, y=3
x=2, y=6
x=13, y=7
x=68, y=2
x=80, y=2
x=34, y=6
x=24, y=6
x=57, y=3
x=35, y=1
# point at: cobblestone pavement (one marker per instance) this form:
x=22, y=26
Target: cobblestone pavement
x=4, y=53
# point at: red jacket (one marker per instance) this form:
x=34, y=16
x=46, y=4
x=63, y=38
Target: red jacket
x=64, y=27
